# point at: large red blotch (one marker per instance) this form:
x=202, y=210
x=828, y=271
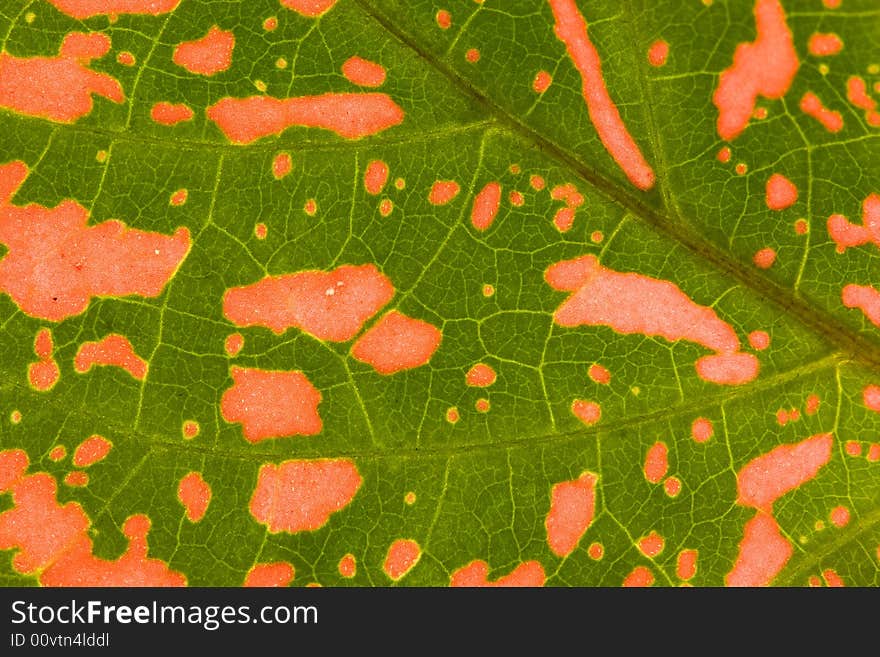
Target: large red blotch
x=763, y=552
x=311, y=8
x=765, y=67
x=271, y=404
x=486, y=205
x=194, y=493
x=296, y=496
x=403, y=555
x=349, y=115
x=635, y=303
x=279, y=573
x=571, y=29
x=766, y=478
x=476, y=574
x=397, y=342
x=93, y=449
x=572, y=506
x=58, y=88
x=328, y=305
x=43, y=374
x=847, y=235
x=87, y=8
x=56, y=263
x=53, y=540
x=865, y=298
x=206, y=56
x=111, y=350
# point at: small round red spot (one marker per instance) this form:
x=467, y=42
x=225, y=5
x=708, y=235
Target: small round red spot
x=814, y=581
x=410, y=498
x=480, y=375
x=760, y=113
x=596, y=237
x=874, y=453
x=640, y=576
x=781, y=192
x=399, y=183
x=444, y=19
x=281, y=62
x=516, y=198
x=724, y=155
x=472, y=55
x=488, y=290
x=782, y=417
x=599, y=374
x=871, y=397
x=15, y=417
x=261, y=231
x=375, y=177
x=741, y=168
x=765, y=258
x=452, y=415
x=832, y=579
x=233, y=344
x=588, y=412
x=386, y=207
x=443, y=191
x=651, y=545
x=686, y=566
x=801, y=227
x=672, y=486
x=658, y=52
x=759, y=340
x=282, y=164
x=402, y=557
x=77, y=478
x=812, y=404
x=794, y=415
x=348, y=566
x=190, y=429
x=311, y=207
x=125, y=58
x=482, y=405
x=93, y=449
x=839, y=516
x=853, y=448
x=58, y=452
x=537, y=182
x=702, y=429
x=101, y=156
x=596, y=551
x=179, y=197
x=270, y=23
x=542, y=82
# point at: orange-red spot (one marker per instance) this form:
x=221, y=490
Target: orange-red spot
x=781, y=192
x=599, y=374
x=651, y=545
x=658, y=52
x=386, y=207
x=310, y=207
x=363, y=72
x=831, y=4
x=472, y=55
x=44, y=374
x=397, y=342
x=873, y=453
x=801, y=227
x=770, y=476
x=271, y=404
x=190, y=429
x=764, y=258
x=375, y=177
x=15, y=417
x=295, y=496
x=410, y=498
x=724, y=155
x=270, y=24
x=596, y=236
x=571, y=29
x=741, y=169
x=813, y=581
x=77, y=479
x=55, y=262
x=486, y=204
x=635, y=303
x=125, y=58
x=564, y=219
x=542, y=82
x=824, y=45
x=81, y=9
x=233, y=344
x=871, y=397
x=857, y=94
x=516, y=198
x=195, y=495
x=179, y=197
x=686, y=566
x=765, y=67
x=348, y=566
x=261, y=231
x=476, y=574
x=839, y=516
x=759, y=340
x=763, y=552
x=812, y=404
x=209, y=55
x=702, y=429
x=866, y=299
x=656, y=462
x=170, y=114
x=639, y=577
x=310, y=8
x=588, y=412
x=480, y=375
x=58, y=453
x=847, y=235
x=443, y=191
x=91, y=450
x=672, y=486
x=402, y=557
x=58, y=88
x=444, y=19
x=832, y=579
x=265, y=575
x=282, y=164
x=537, y=182
x=572, y=507
x=596, y=551
x=853, y=447
x=113, y=350
x=330, y=305
x=349, y=115
x=482, y=405
x=452, y=415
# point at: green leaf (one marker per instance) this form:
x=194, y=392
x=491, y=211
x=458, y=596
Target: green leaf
x=677, y=369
